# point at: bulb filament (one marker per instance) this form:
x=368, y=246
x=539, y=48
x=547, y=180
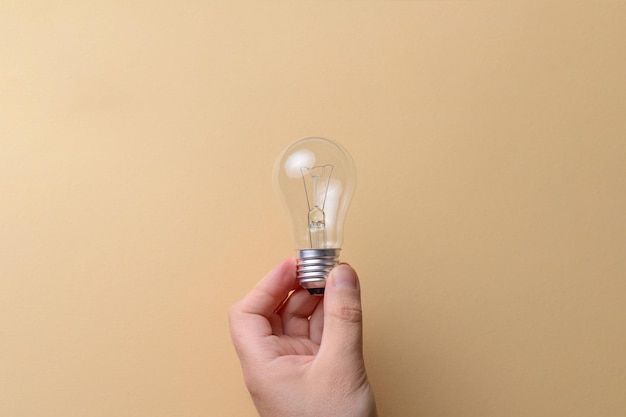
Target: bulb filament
x=316, y=182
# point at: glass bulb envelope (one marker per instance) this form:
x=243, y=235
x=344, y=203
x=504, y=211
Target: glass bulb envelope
x=316, y=178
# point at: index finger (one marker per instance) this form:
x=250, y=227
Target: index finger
x=251, y=315
x=250, y=318
x=268, y=295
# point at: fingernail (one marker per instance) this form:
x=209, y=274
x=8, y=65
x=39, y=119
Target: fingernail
x=345, y=277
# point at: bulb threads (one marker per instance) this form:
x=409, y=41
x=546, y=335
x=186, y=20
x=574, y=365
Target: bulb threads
x=313, y=267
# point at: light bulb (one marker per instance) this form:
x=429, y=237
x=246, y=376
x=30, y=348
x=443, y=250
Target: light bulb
x=316, y=178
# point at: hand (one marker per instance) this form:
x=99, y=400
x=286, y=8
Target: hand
x=302, y=355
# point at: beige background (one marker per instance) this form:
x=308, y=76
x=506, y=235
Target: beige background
x=136, y=146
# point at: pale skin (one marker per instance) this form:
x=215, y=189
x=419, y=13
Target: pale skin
x=302, y=355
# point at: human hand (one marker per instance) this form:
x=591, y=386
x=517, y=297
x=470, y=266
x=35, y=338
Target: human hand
x=302, y=356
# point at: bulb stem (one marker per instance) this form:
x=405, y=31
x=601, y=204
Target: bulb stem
x=313, y=267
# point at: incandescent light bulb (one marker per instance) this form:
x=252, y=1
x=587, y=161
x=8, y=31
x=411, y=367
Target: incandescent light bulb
x=316, y=178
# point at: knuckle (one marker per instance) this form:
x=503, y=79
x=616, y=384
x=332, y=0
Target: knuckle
x=349, y=313
x=234, y=311
x=231, y=312
x=252, y=383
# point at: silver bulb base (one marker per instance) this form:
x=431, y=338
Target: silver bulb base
x=313, y=267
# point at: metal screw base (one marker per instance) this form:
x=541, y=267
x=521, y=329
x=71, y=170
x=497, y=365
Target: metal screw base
x=313, y=267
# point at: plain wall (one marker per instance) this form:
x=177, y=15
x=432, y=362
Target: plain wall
x=137, y=140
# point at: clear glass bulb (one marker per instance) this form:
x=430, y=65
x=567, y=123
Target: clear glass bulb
x=316, y=178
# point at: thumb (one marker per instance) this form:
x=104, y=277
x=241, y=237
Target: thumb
x=342, y=338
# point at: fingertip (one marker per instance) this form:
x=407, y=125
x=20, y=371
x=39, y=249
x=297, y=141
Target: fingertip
x=344, y=276
x=290, y=261
x=284, y=270
x=271, y=291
